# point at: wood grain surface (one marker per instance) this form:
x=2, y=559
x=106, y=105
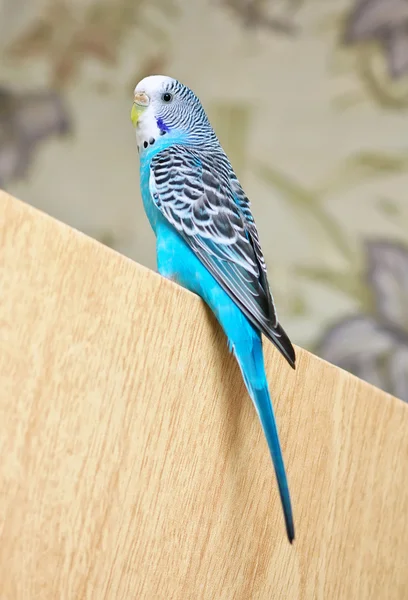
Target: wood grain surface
x=132, y=463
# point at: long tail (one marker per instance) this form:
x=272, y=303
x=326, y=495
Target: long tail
x=253, y=371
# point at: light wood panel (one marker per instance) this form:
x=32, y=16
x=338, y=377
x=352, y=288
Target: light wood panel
x=132, y=462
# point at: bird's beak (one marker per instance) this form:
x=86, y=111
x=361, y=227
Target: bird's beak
x=140, y=102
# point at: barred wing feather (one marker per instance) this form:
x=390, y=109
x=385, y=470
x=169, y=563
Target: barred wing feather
x=199, y=195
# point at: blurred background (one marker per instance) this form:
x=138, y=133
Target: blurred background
x=308, y=97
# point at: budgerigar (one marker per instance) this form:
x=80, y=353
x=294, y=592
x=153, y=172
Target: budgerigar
x=206, y=237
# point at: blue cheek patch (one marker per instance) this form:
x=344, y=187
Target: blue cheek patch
x=162, y=125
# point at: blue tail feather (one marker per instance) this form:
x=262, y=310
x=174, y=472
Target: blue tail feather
x=253, y=371
x=263, y=406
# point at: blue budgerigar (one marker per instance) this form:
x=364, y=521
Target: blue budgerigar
x=207, y=239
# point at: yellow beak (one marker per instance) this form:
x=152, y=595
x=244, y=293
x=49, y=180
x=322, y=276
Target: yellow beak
x=140, y=103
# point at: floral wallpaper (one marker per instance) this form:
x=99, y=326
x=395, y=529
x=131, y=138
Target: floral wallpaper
x=310, y=100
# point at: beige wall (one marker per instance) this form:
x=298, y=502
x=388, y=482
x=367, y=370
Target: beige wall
x=316, y=129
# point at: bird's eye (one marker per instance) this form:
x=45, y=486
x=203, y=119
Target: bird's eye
x=167, y=97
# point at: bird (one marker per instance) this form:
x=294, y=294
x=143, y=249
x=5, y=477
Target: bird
x=206, y=238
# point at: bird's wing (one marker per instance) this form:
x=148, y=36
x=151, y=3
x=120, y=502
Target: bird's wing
x=245, y=207
x=194, y=191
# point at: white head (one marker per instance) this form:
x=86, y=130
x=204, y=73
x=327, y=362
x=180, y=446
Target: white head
x=165, y=107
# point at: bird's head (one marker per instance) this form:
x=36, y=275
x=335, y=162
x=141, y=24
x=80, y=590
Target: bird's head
x=164, y=106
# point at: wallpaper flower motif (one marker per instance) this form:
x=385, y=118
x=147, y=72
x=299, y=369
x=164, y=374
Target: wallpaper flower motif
x=266, y=15
x=375, y=34
x=27, y=119
x=385, y=22
x=374, y=346
x=65, y=36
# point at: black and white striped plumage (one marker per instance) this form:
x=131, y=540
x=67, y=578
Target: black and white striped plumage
x=198, y=192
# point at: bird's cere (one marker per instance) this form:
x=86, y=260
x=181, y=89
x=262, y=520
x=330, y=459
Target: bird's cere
x=142, y=99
